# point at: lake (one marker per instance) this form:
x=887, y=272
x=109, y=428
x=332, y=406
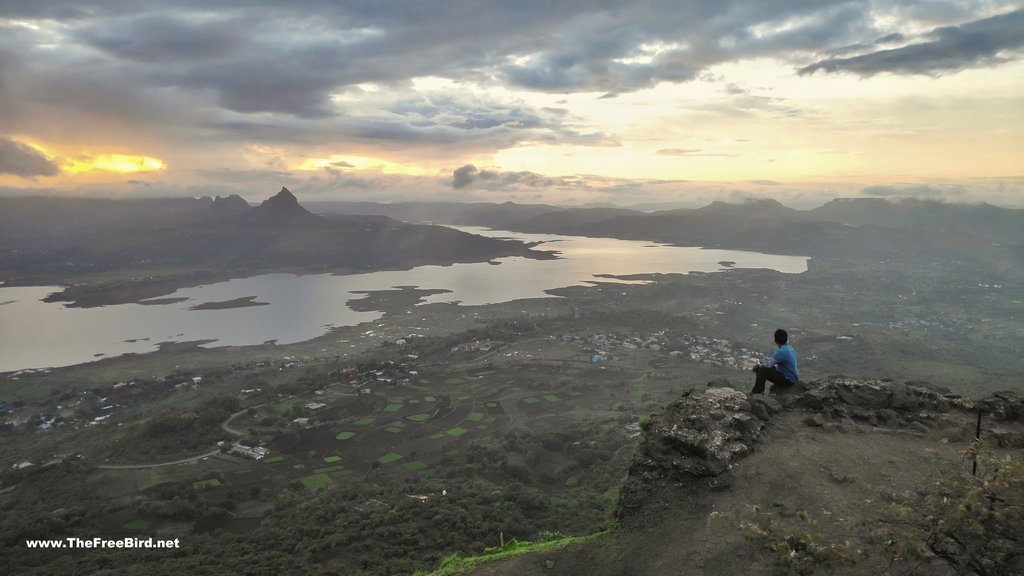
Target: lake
x=37, y=334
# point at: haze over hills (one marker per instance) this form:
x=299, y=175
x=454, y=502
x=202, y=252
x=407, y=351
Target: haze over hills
x=50, y=241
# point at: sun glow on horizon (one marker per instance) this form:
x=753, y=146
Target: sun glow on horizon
x=121, y=163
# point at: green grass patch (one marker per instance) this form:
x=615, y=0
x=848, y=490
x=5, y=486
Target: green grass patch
x=424, y=381
x=571, y=481
x=285, y=405
x=463, y=397
x=138, y=524
x=429, y=399
x=332, y=459
x=341, y=473
x=389, y=458
x=299, y=466
x=413, y=401
x=454, y=381
x=273, y=459
x=530, y=400
x=345, y=435
x=453, y=565
x=364, y=421
x=315, y=481
x=393, y=429
x=392, y=407
x=437, y=436
x=413, y=466
x=328, y=469
x=552, y=398
x=456, y=431
x=395, y=400
x=482, y=427
x=475, y=417
x=575, y=393
x=211, y=483
x=418, y=417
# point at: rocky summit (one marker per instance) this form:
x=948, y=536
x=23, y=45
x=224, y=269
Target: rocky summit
x=701, y=435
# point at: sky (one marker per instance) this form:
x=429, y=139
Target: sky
x=574, y=102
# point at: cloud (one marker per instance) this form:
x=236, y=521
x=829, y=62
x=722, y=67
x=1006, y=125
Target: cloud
x=23, y=160
x=949, y=49
x=469, y=175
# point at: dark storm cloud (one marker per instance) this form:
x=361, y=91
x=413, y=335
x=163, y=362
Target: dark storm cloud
x=293, y=72
x=949, y=49
x=23, y=160
x=470, y=175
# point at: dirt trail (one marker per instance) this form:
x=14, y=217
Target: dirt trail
x=854, y=473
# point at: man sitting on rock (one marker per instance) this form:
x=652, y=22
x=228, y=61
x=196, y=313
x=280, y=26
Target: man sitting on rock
x=780, y=369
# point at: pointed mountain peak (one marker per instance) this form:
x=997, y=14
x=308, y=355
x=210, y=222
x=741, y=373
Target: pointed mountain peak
x=282, y=199
x=282, y=206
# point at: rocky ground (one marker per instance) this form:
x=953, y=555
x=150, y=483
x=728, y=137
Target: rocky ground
x=839, y=452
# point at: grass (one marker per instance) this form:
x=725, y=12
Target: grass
x=389, y=457
x=457, y=431
x=328, y=469
x=285, y=405
x=345, y=435
x=552, y=398
x=454, y=564
x=341, y=473
x=475, y=417
x=364, y=421
x=393, y=429
x=392, y=407
x=429, y=399
x=413, y=466
x=530, y=400
x=138, y=524
x=315, y=481
x=273, y=459
x=418, y=417
x=332, y=459
x=211, y=483
x=437, y=436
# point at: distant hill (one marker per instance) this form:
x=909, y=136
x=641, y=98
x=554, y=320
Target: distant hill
x=225, y=234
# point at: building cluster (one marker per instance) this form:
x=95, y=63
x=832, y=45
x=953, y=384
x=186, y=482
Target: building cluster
x=717, y=351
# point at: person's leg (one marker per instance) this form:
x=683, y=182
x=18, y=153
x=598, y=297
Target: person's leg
x=771, y=375
x=759, y=379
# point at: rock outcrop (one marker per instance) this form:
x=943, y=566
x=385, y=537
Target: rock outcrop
x=698, y=437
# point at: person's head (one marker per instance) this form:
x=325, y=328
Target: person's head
x=781, y=337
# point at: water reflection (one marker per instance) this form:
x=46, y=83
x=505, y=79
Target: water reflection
x=36, y=334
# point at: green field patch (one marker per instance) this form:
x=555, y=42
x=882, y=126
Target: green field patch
x=454, y=381
x=285, y=405
x=456, y=431
x=571, y=481
x=389, y=457
x=273, y=459
x=575, y=393
x=552, y=398
x=332, y=459
x=530, y=400
x=418, y=417
x=328, y=469
x=572, y=371
x=429, y=399
x=138, y=524
x=299, y=466
x=392, y=407
x=395, y=399
x=315, y=481
x=413, y=401
x=341, y=473
x=393, y=429
x=475, y=416
x=464, y=397
x=211, y=483
x=364, y=421
x=437, y=436
x=413, y=466
x=345, y=435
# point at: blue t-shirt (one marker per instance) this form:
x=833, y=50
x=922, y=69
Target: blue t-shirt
x=785, y=362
